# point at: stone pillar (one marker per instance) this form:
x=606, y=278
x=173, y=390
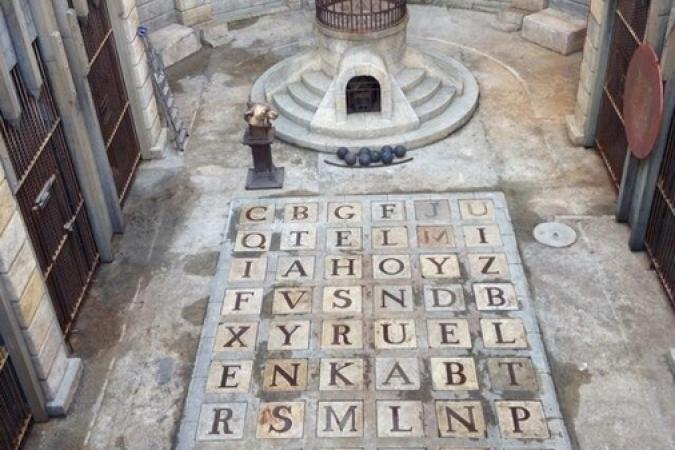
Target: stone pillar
x=582, y=125
x=152, y=135
x=192, y=12
x=22, y=284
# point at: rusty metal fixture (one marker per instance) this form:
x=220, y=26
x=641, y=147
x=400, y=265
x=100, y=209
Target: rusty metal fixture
x=643, y=101
x=15, y=415
x=259, y=136
x=360, y=16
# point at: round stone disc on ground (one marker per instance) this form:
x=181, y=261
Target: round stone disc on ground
x=555, y=234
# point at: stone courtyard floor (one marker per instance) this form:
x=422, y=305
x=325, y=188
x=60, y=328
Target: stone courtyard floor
x=605, y=321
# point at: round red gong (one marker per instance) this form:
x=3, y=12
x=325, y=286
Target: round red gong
x=643, y=101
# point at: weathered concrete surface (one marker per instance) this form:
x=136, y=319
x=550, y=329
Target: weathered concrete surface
x=604, y=317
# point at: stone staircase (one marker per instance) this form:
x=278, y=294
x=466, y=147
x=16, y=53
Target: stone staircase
x=426, y=94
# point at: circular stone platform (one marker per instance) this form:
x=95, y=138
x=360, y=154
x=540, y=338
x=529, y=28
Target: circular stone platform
x=424, y=98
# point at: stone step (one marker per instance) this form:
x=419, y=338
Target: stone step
x=292, y=110
x=555, y=30
x=175, y=42
x=316, y=81
x=408, y=79
x=303, y=96
x=423, y=91
x=436, y=105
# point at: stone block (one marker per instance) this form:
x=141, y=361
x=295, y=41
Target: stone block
x=193, y=16
x=37, y=332
x=574, y=130
x=510, y=19
x=126, y=7
x=530, y=5
x=216, y=34
x=45, y=361
x=175, y=43
x=7, y=204
x=555, y=30
x=598, y=10
x=31, y=298
x=182, y=5
x=20, y=272
x=158, y=150
x=64, y=397
x=11, y=241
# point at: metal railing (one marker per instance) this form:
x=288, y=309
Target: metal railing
x=15, y=415
x=360, y=16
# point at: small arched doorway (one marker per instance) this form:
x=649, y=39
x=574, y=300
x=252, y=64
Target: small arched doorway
x=363, y=95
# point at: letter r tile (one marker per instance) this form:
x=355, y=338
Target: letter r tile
x=222, y=421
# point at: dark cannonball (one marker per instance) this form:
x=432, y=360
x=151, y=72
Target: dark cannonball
x=400, y=151
x=364, y=159
x=375, y=156
x=350, y=158
x=387, y=157
x=364, y=151
x=342, y=152
x=387, y=148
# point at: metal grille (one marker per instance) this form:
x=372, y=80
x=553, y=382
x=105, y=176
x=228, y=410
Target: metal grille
x=110, y=97
x=15, y=415
x=660, y=239
x=50, y=199
x=628, y=34
x=360, y=15
x=363, y=95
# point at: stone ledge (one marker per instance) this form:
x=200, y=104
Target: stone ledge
x=158, y=150
x=555, y=30
x=574, y=131
x=60, y=405
x=175, y=43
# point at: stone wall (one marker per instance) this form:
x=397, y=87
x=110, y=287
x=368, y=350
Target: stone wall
x=156, y=14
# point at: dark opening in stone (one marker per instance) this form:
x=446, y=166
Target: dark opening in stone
x=363, y=95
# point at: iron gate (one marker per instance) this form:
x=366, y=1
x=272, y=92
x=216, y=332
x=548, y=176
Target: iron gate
x=660, y=238
x=110, y=97
x=628, y=34
x=15, y=415
x=50, y=199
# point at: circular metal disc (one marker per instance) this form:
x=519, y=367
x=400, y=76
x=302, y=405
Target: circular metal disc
x=555, y=234
x=643, y=101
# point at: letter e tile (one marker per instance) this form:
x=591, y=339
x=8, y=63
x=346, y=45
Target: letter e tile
x=281, y=420
x=449, y=333
x=229, y=376
x=222, y=421
x=522, y=420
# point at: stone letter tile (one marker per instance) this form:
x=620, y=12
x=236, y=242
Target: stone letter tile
x=482, y=236
x=393, y=298
x=339, y=419
x=440, y=266
x=395, y=333
x=291, y=300
x=285, y=375
x=229, y=376
x=342, y=299
x=257, y=214
x=252, y=241
x=344, y=213
x=460, y=419
x=281, y=420
x=391, y=267
x=222, y=421
x=449, y=333
x=242, y=301
x=248, y=269
x=477, y=209
x=343, y=239
x=343, y=267
x=341, y=374
x=236, y=337
x=387, y=211
x=301, y=212
x=454, y=374
x=342, y=334
x=512, y=374
x=449, y=297
x=432, y=210
x=394, y=374
x=288, y=335
x=503, y=333
x=389, y=237
x=435, y=237
x=521, y=420
x=399, y=418
x=495, y=296
x=296, y=238
x=295, y=268
x=488, y=266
